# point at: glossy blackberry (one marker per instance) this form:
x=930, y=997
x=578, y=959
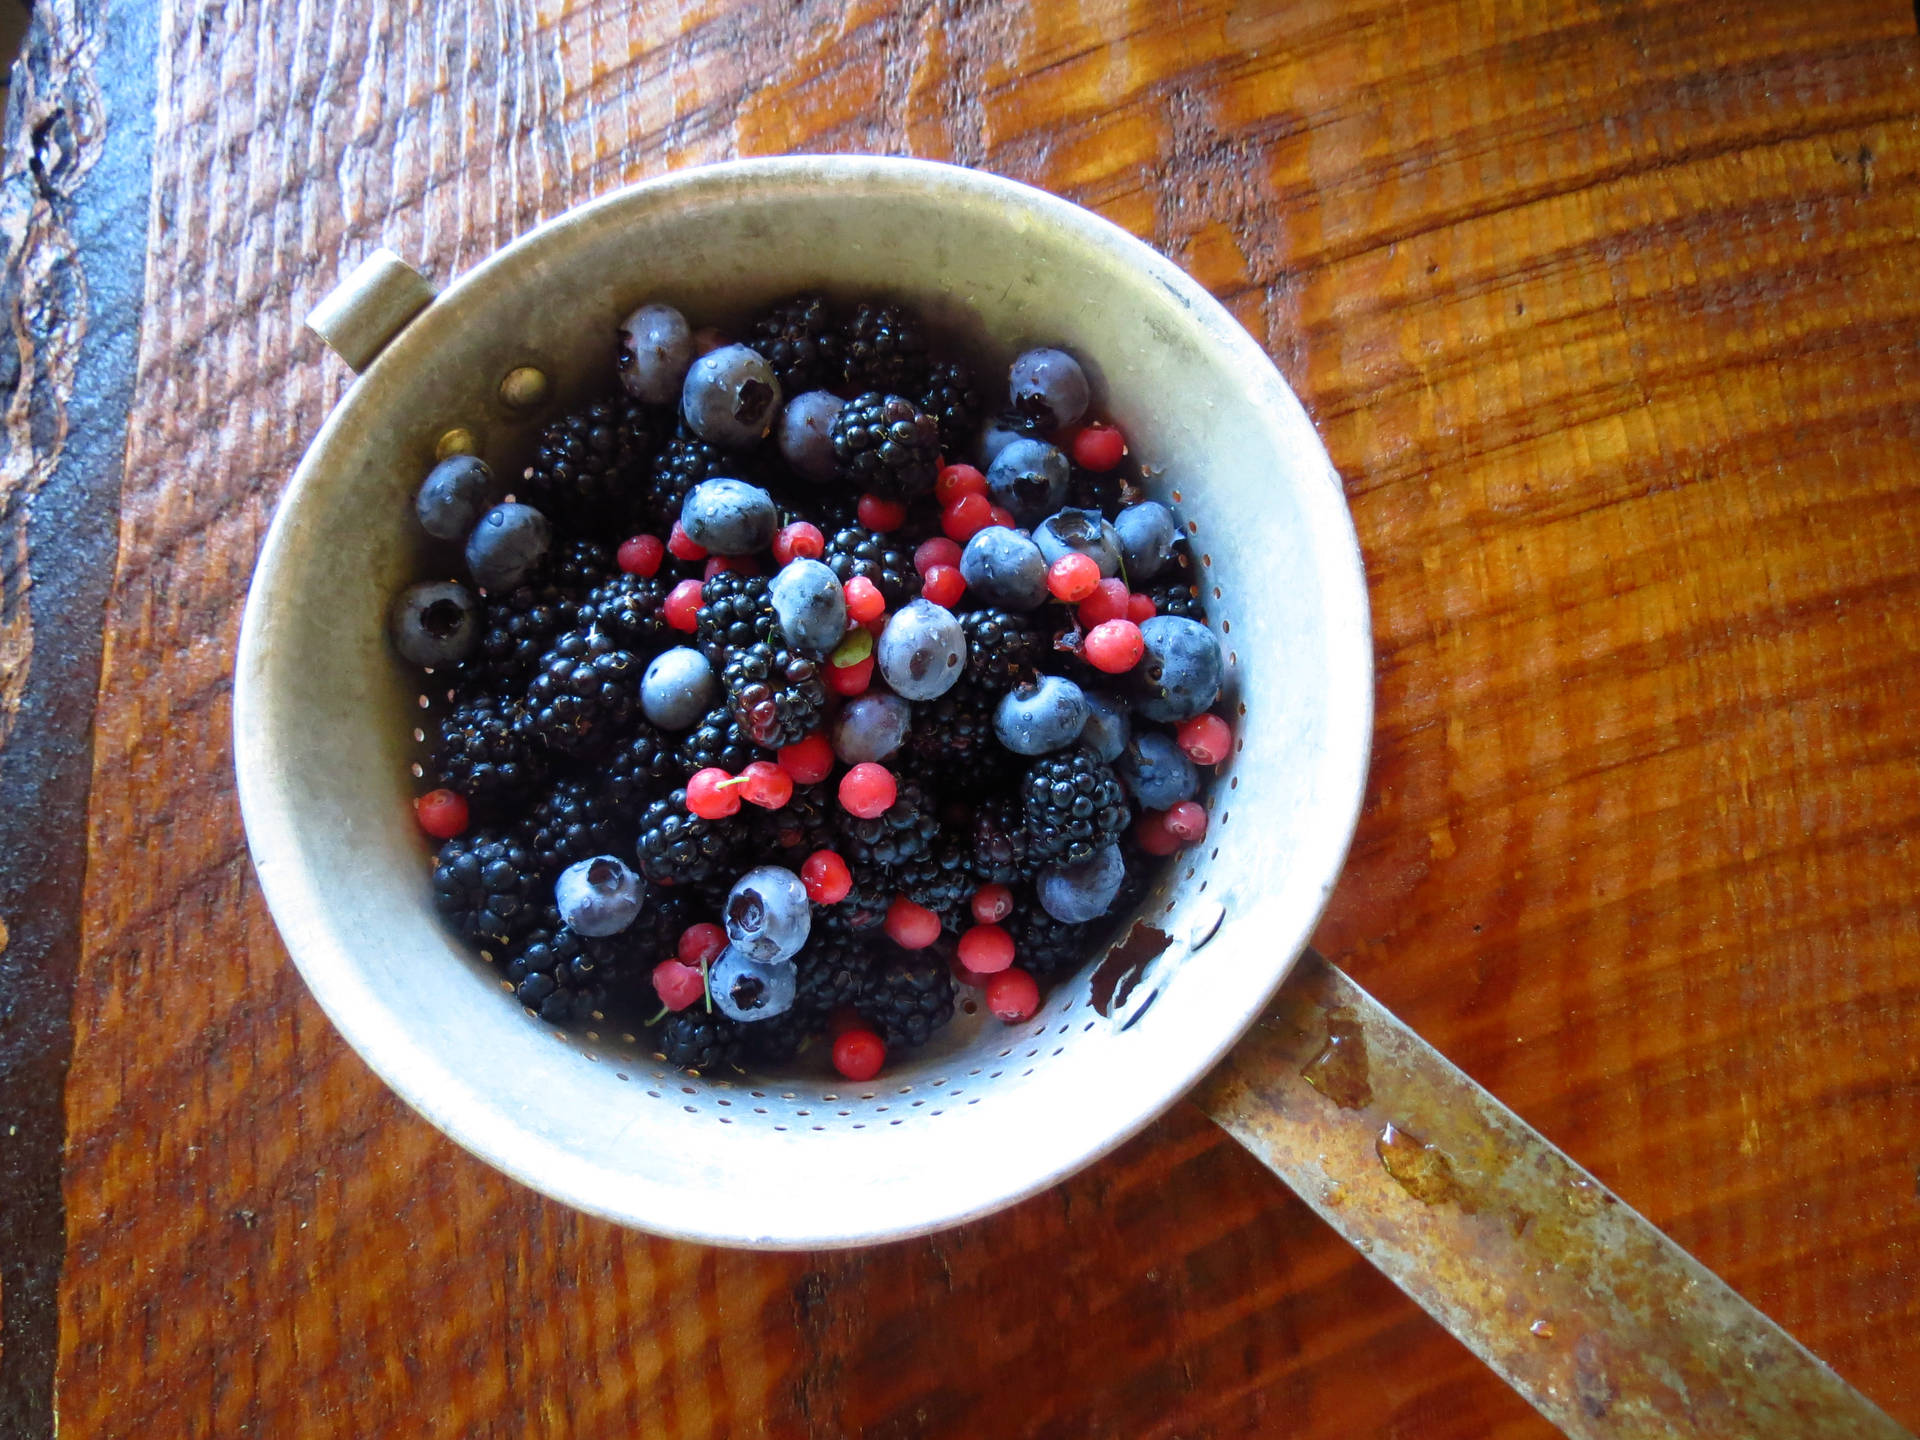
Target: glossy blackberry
x=718, y=740
x=907, y=998
x=589, y=466
x=563, y=976
x=1073, y=805
x=683, y=463
x=642, y=767
x=520, y=625
x=777, y=1040
x=584, y=694
x=1177, y=599
x=859, y=551
x=575, y=567
x=885, y=446
x=776, y=693
x=941, y=881
x=799, y=339
x=482, y=750
x=627, y=608
x=904, y=831
x=695, y=1039
x=998, y=851
x=884, y=349
x=954, y=401
x=955, y=732
x=832, y=972
x=801, y=826
x=655, y=935
x=574, y=820
x=1003, y=649
x=679, y=848
x=734, y=614
x=1045, y=947
x=487, y=883
x=865, y=907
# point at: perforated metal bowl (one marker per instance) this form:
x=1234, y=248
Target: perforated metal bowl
x=325, y=727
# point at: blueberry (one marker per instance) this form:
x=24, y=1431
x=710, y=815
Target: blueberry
x=923, y=651
x=729, y=517
x=1157, y=775
x=730, y=397
x=1179, y=676
x=746, y=991
x=599, y=897
x=656, y=347
x=1005, y=568
x=1003, y=432
x=767, y=915
x=1146, y=534
x=1084, y=532
x=507, y=546
x=805, y=433
x=678, y=688
x=871, y=728
x=1074, y=894
x=453, y=497
x=1108, y=727
x=811, y=606
x=436, y=622
x=1029, y=478
x=1049, y=386
x=1046, y=715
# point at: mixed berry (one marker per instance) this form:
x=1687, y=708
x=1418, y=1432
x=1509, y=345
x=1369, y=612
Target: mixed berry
x=790, y=692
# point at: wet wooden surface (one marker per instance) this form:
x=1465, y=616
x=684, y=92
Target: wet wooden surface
x=1607, y=313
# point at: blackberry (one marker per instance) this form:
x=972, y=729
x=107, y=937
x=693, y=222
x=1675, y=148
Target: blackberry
x=1003, y=649
x=884, y=349
x=641, y=767
x=574, y=820
x=800, y=341
x=575, y=567
x=801, y=826
x=833, y=971
x=734, y=614
x=1177, y=599
x=1073, y=805
x=685, y=461
x=953, y=400
x=486, y=882
x=694, y=1039
x=563, y=976
x=655, y=935
x=1093, y=490
x=865, y=906
x=954, y=735
x=859, y=551
x=677, y=847
x=585, y=692
x=999, y=852
x=907, y=997
x=904, y=831
x=884, y=446
x=718, y=740
x=588, y=465
x=627, y=607
x=779, y=1038
x=776, y=693
x=520, y=625
x=481, y=751
x=941, y=881
x=1045, y=947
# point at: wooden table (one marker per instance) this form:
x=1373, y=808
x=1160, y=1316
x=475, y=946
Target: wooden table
x=1608, y=313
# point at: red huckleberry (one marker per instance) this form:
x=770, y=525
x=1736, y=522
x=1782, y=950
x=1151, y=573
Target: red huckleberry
x=864, y=600
x=1140, y=608
x=867, y=790
x=1114, y=646
x=682, y=605
x=441, y=813
x=1187, y=822
x=765, y=784
x=1073, y=578
x=944, y=585
x=798, y=541
x=712, y=794
x=851, y=680
x=986, y=949
x=681, y=547
x=858, y=1054
x=642, y=555
x=965, y=518
x=1206, y=739
x=1097, y=447
x=957, y=480
x=827, y=878
x=1001, y=516
x=1107, y=602
x=700, y=944
x=808, y=761
x=880, y=514
x=937, y=551
x=1013, y=996
x=991, y=904
x=678, y=984
x=738, y=564
x=911, y=926
x=1153, y=835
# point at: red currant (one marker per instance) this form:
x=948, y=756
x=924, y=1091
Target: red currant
x=827, y=878
x=1206, y=739
x=944, y=585
x=1098, y=447
x=986, y=949
x=765, y=784
x=712, y=794
x=1153, y=835
x=678, y=985
x=1107, y=602
x=966, y=517
x=681, y=605
x=798, y=541
x=1013, y=996
x=991, y=904
x=867, y=790
x=700, y=944
x=1140, y=608
x=1115, y=646
x=911, y=926
x=1001, y=516
x=937, y=551
x=1073, y=578
x=858, y=1054
x=441, y=813
x=682, y=547
x=880, y=514
x=642, y=555
x=864, y=600
x=851, y=680
x=1187, y=822
x=957, y=480
x=808, y=761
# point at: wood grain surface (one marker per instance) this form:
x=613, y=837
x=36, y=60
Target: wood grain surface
x=1606, y=310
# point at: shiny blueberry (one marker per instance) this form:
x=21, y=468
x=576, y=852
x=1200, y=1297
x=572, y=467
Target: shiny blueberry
x=678, y=688
x=1044, y=716
x=923, y=651
x=767, y=914
x=1083, y=532
x=805, y=434
x=1108, y=727
x=1146, y=534
x=1005, y=568
x=731, y=397
x=1002, y=432
x=810, y=604
x=656, y=347
x=1074, y=894
x=507, y=546
x=729, y=517
x=1030, y=479
x=1155, y=771
x=1179, y=676
x=1049, y=386
x=871, y=727
x=435, y=623
x=599, y=897
x=453, y=497
x=747, y=991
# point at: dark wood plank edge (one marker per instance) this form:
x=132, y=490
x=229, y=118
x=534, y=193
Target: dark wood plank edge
x=74, y=189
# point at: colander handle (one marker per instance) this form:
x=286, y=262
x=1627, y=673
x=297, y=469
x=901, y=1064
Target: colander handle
x=1599, y=1321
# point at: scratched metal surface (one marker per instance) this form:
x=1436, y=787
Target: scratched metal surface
x=1601, y=1322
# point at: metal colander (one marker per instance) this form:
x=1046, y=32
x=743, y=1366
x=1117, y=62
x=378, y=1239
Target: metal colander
x=987, y=1113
